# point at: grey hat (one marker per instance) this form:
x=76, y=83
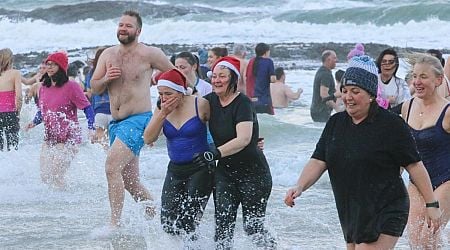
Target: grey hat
x=362, y=72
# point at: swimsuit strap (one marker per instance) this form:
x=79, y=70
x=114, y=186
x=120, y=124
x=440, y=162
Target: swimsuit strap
x=196, y=107
x=441, y=117
x=409, y=109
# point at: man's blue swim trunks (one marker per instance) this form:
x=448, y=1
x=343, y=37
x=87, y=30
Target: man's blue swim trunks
x=130, y=131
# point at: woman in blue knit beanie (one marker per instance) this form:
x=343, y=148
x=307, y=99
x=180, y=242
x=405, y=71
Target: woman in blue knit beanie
x=363, y=150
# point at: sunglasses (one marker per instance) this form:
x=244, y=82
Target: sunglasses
x=387, y=62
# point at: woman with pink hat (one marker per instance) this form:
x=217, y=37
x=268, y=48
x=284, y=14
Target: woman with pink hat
x=59, y=100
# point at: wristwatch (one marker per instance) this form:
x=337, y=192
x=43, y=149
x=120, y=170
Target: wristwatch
x=432, y=204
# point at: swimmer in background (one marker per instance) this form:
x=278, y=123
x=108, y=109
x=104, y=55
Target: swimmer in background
x=10, y=101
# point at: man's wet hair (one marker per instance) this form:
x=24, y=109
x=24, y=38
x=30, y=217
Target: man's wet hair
x=279, y=72
x=134, y=14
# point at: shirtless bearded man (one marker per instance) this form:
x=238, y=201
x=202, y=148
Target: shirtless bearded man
x=125, y=70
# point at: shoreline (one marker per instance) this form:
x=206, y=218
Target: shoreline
x=279, y=51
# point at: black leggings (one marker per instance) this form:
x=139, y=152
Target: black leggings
x=184, y=196
x=9, y=124
x=250, y=190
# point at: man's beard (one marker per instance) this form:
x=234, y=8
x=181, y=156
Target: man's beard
x=130, y=38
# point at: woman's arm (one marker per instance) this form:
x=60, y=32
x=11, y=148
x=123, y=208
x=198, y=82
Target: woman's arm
x=244, y=132
x=32, y=80
x=154, y=127
x=18, y=90
x=421, y=180
x=310, y=174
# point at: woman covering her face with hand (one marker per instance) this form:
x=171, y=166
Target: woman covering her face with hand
x=187, y=185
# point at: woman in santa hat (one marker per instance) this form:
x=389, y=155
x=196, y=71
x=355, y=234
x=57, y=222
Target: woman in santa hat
x=59, y=100
x=242, y=176
x=187, y=186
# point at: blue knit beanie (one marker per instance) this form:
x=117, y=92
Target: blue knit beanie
x=362, y=72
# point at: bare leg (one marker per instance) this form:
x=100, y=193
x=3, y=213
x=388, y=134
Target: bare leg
x=54, y=162
x=63, y=155
x=45, y=160
x=420, y=236
x=132, y=181
x=416, y=219
x=118, y=157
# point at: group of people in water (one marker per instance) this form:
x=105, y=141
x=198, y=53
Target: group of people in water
x=208, y=117
x=385, y=128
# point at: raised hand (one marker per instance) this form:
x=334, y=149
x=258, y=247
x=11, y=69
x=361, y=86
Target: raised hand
x=112, y=73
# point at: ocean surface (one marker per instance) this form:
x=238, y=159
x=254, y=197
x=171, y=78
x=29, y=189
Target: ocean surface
x=33, y=216
x=39, y=25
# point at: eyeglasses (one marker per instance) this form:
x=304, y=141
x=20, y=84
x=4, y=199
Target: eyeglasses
x=51, y=64
x=387, y=62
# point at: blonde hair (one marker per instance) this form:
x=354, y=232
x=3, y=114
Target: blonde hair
x=421, y=58
x=6, y=58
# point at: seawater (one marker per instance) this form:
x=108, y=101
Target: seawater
x=36, y=217
x=421, y=24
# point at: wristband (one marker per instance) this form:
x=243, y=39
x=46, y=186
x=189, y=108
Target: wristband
x=432, y=204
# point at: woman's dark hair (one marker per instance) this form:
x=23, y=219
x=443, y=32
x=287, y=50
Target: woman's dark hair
x=192, y=60
x=220, y=52
x=172, y=59
x=438, y=54
x=260, y=50
x=373, y=109
x=60, y=78
x=96, y=57
x=232, y=87
x=389, y=51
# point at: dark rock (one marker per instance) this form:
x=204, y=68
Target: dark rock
x=279, y=51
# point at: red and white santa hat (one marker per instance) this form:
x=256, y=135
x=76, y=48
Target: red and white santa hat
x=173, y=79
x=230, y=62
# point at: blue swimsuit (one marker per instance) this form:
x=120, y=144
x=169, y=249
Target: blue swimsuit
x=189, y=139
x=433, y=144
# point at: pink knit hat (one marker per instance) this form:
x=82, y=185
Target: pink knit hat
x=357, y=51
x=59, y=58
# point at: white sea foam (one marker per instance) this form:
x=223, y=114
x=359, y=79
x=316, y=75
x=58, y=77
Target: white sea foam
x=39, y=35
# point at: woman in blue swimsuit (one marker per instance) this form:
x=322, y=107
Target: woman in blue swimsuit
x=428, y=117
x=187, y=187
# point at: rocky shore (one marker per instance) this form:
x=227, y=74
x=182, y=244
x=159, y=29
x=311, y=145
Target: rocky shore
x=279, y=51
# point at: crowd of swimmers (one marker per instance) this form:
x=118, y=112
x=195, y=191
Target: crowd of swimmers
x=377, y=125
